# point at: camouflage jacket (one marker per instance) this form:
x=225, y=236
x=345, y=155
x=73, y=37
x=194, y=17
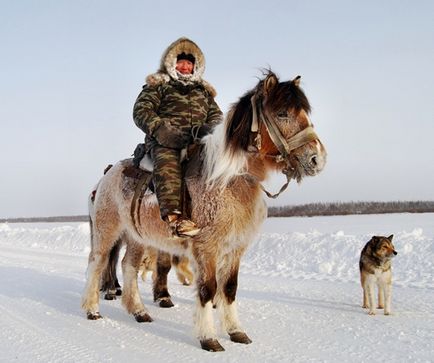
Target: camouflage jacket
x=184, y=106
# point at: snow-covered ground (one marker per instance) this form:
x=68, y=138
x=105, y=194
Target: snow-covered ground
x=299, y=298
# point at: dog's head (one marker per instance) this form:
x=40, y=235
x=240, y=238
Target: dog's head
x=382, y=247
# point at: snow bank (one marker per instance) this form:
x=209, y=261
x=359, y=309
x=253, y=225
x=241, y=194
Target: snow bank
x=324, y=253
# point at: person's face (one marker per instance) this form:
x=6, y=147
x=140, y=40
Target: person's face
x=184, y=66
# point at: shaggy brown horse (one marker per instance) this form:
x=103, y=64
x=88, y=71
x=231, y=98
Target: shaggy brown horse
x=267, y=130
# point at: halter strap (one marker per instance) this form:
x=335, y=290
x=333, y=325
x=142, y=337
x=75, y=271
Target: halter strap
x=285, y=147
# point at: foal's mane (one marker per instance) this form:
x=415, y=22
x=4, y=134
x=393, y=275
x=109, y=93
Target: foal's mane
x=226, y=148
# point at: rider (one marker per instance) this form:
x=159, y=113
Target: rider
x=175, y=108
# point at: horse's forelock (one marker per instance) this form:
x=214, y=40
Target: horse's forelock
x=288, y=95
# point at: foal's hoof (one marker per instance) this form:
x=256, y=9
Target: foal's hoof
x=93, y=315
x=211, y=345
x=143, y=317
x=165, y=302
x=240, y=337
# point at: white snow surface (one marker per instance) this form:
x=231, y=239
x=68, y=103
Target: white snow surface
x=299, y=298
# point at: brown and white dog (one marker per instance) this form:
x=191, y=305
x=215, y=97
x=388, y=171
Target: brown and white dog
x=376, y=269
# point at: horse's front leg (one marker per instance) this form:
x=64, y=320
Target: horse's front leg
x=206, y=282
x=226, y=299
x=131, y=297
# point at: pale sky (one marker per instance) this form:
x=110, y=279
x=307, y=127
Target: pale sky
x=70, y=72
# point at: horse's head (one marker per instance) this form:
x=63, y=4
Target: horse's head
x=272, y=122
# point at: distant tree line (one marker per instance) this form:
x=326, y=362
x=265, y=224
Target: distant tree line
x=84, y=218
x=304, y=210
x=346, y=208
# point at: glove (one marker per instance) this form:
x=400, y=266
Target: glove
x=202, y=131
x=170, y=136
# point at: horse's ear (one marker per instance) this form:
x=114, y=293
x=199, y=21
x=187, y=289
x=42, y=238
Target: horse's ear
x=269, y=83
x=297, y=80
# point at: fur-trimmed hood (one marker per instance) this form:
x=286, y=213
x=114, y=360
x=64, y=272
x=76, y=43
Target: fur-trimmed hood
x=167, y=70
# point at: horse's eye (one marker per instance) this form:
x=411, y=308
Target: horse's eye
x=282, y=114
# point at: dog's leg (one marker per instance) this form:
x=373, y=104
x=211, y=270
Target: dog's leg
x=388, y=298
x=387, y=287
x=380, y=296
x=369, y=288
x=365, y=298
x=365, y=303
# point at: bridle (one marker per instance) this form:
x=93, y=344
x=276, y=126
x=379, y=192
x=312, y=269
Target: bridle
x=285, y=147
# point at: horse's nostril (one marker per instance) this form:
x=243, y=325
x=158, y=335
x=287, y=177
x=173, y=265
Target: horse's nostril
x=313, y=160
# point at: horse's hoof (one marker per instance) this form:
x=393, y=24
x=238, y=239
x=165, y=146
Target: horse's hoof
x=110, y=296
x=118, y=292
x=211, y=345
x=93, y=316
x=143, y=317
x=240, y=337
x=165, y=302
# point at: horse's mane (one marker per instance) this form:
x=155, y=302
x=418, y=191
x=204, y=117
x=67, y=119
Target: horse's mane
x=226, y=147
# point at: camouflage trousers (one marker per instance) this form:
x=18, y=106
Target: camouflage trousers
x=167, y=179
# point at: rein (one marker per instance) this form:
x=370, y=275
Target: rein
x=285, y=147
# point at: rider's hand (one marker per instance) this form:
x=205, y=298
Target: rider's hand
x=170, y=136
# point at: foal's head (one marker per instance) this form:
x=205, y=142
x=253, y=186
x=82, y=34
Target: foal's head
x=272, y=122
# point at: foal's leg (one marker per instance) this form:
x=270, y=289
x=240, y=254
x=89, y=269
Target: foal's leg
x=131, y=296
x=159, y=278
x=228, y=283
x=183, y=272
x=206, y=290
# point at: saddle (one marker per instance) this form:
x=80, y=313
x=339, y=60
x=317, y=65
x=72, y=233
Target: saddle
x=143, y=178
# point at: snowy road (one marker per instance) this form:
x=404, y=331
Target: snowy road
x=299, y=299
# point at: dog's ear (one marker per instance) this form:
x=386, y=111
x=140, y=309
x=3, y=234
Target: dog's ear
x=390, y=237
x=375, y=241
